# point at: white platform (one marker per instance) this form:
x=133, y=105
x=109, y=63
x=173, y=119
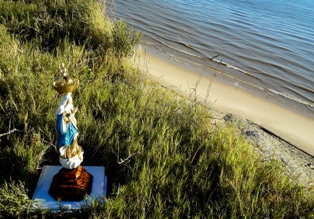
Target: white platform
x=42, y=199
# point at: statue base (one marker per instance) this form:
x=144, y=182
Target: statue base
x=43, y=200
x=71, y=185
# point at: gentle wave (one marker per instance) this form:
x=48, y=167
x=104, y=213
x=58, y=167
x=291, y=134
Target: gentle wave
x=291, y=97
x=272, y=92
x=264, y=47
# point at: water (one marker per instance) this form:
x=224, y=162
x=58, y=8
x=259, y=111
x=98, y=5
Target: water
x=263, y=44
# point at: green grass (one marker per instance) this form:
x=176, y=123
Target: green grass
x=163, y=156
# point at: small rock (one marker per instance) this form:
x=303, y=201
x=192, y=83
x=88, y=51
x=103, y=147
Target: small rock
x=309, y=165
x=228, y=117
x=250, y=133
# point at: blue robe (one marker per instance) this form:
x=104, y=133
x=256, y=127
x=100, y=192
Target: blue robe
x=67, y=137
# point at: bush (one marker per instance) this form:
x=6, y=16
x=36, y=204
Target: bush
x=47, y=24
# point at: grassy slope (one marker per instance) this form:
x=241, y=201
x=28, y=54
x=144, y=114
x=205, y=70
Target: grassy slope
x=164, y=158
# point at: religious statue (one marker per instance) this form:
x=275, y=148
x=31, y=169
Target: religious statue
x=71, y=154
x=73, y=181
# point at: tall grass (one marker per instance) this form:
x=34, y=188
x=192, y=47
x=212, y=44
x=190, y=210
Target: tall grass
x=163, y=156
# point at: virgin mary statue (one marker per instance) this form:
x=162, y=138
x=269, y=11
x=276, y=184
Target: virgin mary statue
x=71, y=154
x=66, y=121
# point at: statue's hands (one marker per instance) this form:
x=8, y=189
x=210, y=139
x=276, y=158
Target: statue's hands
x=74, y=110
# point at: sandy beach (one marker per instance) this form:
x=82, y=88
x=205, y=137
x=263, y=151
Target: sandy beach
x=291, y=126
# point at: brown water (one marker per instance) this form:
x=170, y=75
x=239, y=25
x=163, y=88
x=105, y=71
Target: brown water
x=261, y=45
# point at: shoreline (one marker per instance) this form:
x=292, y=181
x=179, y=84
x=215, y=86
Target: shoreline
x=288, y=125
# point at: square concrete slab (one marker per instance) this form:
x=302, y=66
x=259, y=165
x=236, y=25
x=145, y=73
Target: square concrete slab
x=43, y=200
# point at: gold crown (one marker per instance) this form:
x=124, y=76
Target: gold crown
x=65, y=84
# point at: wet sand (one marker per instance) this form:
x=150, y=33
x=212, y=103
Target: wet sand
x=289, y=125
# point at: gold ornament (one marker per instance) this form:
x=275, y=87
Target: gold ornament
x=65, y=84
